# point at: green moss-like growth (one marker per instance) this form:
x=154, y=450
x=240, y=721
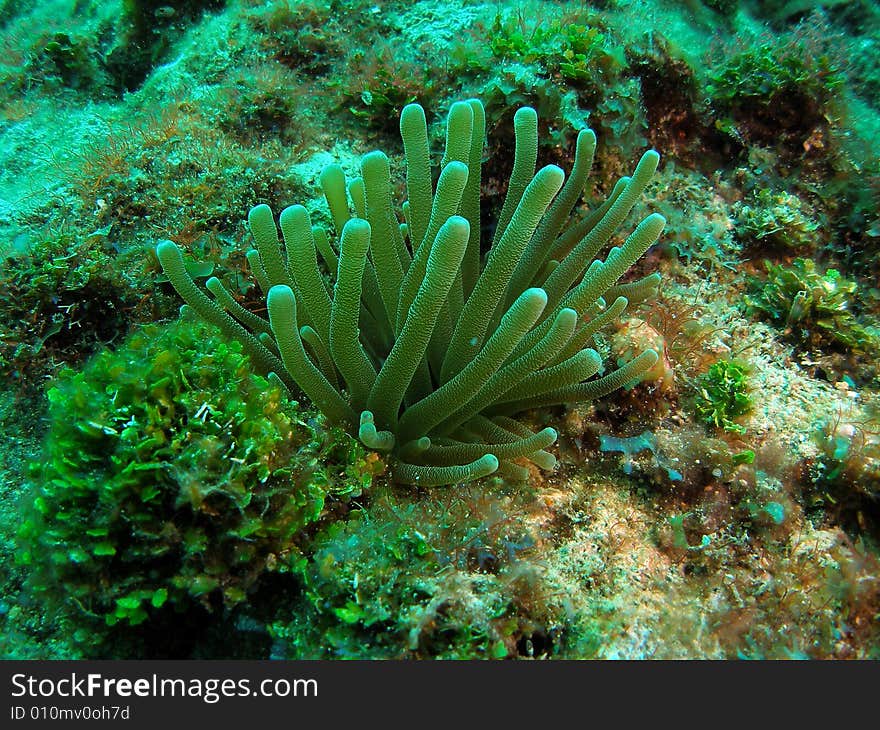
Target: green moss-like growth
x=70, y=59
x=58, y=301
x=306, y=36
x=777, y=219
x=569, y=53
x=814, y=307
x=776, y=91
x=173, y=479
x=770, y=70
x=722, y=395
x=422, y=578
x=576, y=50
x=130, y=178
x=379, y=82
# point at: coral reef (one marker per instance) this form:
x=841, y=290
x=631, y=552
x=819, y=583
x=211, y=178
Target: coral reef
x=168, y=490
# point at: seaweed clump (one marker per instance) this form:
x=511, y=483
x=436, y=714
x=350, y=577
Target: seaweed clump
x=173, y=480
x=453, y=577
x=778, y=92
x=816, y=308
x=723, y=397
x=59, y=301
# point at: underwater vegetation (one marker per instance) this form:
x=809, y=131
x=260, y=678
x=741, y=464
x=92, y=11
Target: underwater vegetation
x=60, y=300
x=723, y=395
x=173, y=480
x=778, y=220
x=813, y=307
x=777, y=91
x=416, y=317
x=447, y=576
